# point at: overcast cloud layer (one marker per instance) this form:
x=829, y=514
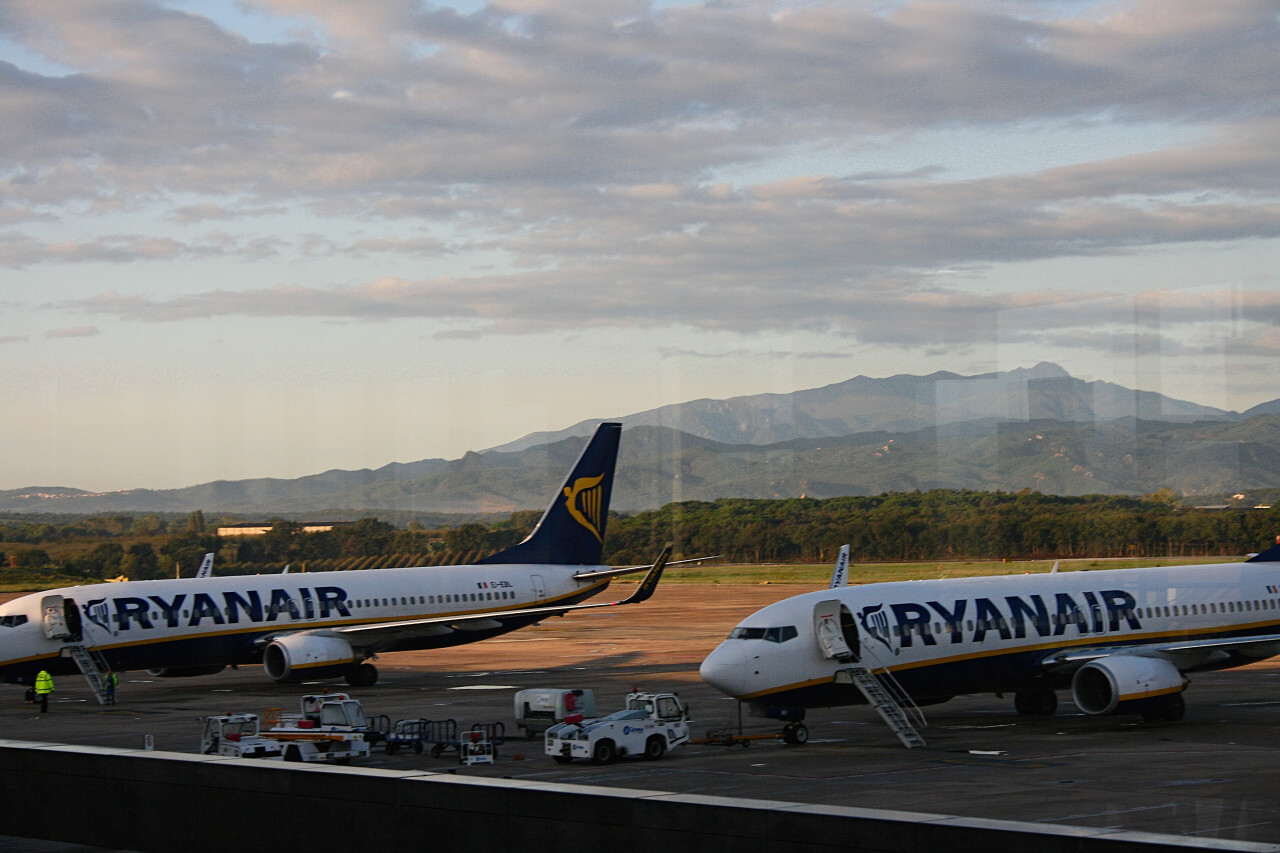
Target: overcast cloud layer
x=1069, y=180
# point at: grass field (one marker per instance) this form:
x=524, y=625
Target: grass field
x=811, y=574
x=818, y=575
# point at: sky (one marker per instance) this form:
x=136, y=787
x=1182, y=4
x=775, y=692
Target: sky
x=275, y=237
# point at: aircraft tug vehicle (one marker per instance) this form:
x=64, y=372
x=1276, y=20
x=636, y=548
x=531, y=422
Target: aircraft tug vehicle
x=651, y=724
x=238, y=736
x=331, y=727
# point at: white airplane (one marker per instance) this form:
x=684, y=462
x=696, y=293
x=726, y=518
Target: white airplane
x=321, y=624
x=1120, y=640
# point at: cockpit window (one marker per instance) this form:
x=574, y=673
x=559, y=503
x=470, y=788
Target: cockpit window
x=780, y=635
x=13, y=620
x=773, y=635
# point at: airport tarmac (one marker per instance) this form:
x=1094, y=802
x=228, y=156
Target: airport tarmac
x=1215, y=774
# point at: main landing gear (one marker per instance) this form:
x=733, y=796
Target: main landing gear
x=362, y=675
x=1036, y=702
x=1169, y=712
x=795, y=733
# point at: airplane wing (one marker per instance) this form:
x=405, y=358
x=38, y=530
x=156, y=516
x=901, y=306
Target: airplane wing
x=1184, y=654
x=490, y=619
x=627, y=570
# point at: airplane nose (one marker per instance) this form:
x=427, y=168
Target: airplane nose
x=725, y=668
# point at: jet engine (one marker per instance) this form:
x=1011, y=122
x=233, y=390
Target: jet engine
x=1121, y=684
x=186, y=671
x=294, y=656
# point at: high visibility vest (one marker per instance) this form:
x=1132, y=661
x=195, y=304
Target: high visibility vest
x=44, y=682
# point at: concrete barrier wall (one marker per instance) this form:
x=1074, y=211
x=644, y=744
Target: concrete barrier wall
x=160, y=801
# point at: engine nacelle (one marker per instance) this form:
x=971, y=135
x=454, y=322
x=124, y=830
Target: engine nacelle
x=186, y=671
x=1122, y=684
x=295, y=656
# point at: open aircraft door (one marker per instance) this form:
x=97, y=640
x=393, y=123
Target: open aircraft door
x=54, y=617
x=836, y=631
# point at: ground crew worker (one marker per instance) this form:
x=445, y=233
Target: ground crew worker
x=44, y=686
x=110, y=683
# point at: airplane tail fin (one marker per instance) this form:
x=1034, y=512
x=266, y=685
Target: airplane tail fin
x=1271, y=555
x=571, y=531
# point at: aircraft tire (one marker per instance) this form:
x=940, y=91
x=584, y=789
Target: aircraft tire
x=362, y=675
x=795, y=733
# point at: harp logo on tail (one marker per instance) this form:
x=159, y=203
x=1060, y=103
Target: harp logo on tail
x=583, y=499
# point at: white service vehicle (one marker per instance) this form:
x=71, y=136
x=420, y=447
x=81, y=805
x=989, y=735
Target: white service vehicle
x=539, y=708
x=651, y=724
x=238, y=736
x=331, y=727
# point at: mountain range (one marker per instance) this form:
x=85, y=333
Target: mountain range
x=1036, y=428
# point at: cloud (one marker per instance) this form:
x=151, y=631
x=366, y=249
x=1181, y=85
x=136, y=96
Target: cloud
x=210, y=211
x=74, y=332
x=580, y=92
x=573, y=155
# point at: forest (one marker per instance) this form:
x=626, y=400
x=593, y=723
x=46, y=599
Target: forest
x=934, y=525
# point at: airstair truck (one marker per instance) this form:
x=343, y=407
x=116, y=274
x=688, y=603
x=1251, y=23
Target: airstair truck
x=651, y=724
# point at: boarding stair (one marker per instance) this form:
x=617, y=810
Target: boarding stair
x=93, y=665
x=888, y=698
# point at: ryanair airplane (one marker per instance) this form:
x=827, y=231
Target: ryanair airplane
x=1120, y=640
x=324, y=624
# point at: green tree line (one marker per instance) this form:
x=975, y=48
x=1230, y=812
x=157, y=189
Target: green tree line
x=943, y=525
x=935, y=525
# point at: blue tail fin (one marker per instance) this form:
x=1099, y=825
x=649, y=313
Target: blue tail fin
x=1271, y=555
x=571, y=531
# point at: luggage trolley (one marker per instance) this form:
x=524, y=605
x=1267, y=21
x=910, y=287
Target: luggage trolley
x=407, y=733
x=443, y=734
x=379, y=728
x=494, y=733
x=474, y=747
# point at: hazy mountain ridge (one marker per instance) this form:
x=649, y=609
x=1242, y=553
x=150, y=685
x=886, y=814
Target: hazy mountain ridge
x=1032, y=428
x=905, y=403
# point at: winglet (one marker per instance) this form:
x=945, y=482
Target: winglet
x=650, y=581
x=206, y=566
x=840, y=576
